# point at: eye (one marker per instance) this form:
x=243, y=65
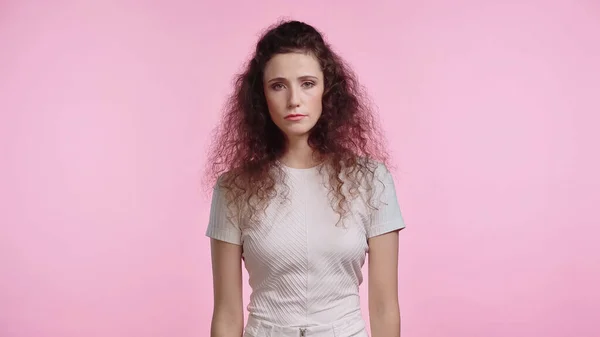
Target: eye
x=308, y=84
x=277, y=86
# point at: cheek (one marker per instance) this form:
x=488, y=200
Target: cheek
x=275, y=105
x=316, y=103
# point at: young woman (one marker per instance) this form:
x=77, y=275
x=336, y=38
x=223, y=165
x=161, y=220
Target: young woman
x=302, y=195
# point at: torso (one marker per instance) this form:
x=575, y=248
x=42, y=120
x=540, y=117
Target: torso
x=304, y=270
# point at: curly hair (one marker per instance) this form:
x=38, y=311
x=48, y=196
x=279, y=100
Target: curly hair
x=247, y=144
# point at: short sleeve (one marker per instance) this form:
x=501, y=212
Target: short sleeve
x=388, y=216
x=220, y=226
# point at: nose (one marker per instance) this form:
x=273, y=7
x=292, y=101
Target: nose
x=293, y=98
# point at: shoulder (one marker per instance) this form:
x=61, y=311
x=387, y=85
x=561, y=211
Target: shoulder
x=379, y=170
x=225, y=180
x=371, y=163
x=221, y=191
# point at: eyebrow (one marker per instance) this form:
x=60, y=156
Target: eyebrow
x=283, y=79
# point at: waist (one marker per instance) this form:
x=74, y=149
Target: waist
x=291, y=309
x=351, y=325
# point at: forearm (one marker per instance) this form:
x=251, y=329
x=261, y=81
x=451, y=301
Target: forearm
x=385, y=323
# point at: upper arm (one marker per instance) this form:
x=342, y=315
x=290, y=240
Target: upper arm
x=387, y=216
x=383, y=272
x=384, y=310
x=226, y=259
x=227, y=280
x=382, y=234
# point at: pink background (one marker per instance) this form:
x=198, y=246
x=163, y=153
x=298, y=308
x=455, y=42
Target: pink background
x=491, y=111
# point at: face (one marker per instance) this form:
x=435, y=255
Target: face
x=293, y=86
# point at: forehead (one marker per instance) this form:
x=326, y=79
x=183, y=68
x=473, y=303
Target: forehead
x=292, y=65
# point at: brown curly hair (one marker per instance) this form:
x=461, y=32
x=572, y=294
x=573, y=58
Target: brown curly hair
x=243, y=159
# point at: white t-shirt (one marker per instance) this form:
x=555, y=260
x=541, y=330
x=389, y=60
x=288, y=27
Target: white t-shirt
x=303, y=269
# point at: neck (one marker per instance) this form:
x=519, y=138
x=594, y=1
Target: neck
x=299, y=154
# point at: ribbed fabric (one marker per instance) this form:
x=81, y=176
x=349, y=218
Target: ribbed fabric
x=304, y=270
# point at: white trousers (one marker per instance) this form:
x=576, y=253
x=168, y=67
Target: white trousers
x=348, y=327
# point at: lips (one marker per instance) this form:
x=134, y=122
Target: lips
x=295, y=116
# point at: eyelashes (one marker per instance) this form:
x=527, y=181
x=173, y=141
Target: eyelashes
x=280, y=86
x=277, y=86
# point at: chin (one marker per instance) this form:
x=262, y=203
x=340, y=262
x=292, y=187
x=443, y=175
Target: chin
x=297, y=129
x=297, y=132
